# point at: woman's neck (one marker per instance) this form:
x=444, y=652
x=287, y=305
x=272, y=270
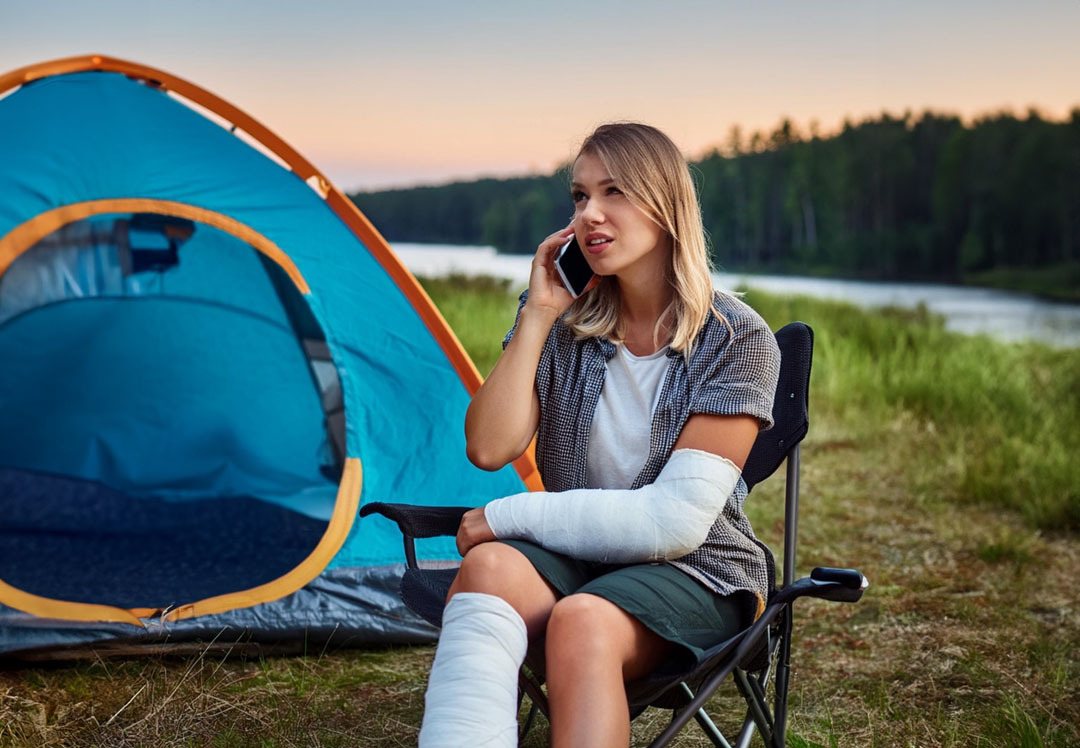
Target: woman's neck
x=643, y=306
x=644, y=299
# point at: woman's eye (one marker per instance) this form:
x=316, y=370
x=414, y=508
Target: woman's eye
x=614, y=191
x=576, y=196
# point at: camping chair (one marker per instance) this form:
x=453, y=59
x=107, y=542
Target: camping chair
x=754, y=656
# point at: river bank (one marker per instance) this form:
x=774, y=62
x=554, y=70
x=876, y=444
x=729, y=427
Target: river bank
x=1002, y=315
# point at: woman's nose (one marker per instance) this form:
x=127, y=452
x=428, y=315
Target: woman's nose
x=592, y=212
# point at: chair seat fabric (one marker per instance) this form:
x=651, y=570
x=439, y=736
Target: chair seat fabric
x=424, y=592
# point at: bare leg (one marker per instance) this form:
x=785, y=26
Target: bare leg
x=501, y=570
x=593, y=647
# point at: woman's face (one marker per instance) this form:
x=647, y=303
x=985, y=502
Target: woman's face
x=615, y=235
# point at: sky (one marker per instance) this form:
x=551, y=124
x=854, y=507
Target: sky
x=399, y=93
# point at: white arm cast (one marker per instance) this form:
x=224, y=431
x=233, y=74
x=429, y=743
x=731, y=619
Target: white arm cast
x=663, y=520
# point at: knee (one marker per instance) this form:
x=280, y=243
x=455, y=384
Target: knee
x=486, y=568
x=582, y=627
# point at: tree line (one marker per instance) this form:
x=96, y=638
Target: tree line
x=891, y=197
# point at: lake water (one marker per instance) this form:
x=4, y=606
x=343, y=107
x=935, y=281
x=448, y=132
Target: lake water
x=1000, y=314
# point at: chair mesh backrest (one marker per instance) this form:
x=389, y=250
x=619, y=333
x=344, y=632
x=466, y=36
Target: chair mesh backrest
x=796, y=342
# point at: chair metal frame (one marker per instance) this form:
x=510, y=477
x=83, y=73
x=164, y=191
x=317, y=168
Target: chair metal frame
x=754, y=657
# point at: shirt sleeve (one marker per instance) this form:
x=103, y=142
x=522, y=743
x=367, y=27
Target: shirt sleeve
x=739, y=371
x=517, y=318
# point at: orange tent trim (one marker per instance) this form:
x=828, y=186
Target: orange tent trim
x=341, y=521
x=25, y=235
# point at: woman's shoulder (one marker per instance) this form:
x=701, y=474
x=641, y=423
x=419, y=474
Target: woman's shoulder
x=731, y=320
x=735, y=309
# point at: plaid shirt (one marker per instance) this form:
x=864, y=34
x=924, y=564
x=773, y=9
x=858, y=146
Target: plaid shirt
x=727, y=374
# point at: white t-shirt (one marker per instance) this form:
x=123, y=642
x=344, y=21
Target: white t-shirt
x=622, y=424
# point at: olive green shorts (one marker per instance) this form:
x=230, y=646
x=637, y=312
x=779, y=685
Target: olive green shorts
x=669, y=602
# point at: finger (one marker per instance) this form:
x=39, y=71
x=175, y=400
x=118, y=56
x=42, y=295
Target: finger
x=563, y=234
x=557, y=239
x=545, y=254
x=560, y=238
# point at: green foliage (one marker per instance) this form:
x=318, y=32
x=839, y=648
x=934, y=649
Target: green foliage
x=510, y=214
x=1019, y=728
x=1011, y=547
x=1060, y=281
x=926, y=198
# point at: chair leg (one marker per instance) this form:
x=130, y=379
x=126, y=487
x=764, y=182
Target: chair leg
x=527, y=684
x=746, y=734
x=707, y=725
x=681, y=717
x=533, y=709
x=783, y=677
x=757, y=707
x=710, y=730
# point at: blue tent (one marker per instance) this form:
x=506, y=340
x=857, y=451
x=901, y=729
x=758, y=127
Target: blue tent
x=208, y=360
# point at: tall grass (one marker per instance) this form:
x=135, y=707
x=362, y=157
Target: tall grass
x=479, y=309
x=999, y=421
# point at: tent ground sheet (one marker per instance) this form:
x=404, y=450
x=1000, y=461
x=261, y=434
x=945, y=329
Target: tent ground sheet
x=81, y=541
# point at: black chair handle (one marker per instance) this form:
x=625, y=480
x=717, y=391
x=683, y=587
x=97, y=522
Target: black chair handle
x=849, y=578
x=419, y=521
x=839, y=585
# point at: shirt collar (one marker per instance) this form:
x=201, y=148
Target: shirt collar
x=607, y=349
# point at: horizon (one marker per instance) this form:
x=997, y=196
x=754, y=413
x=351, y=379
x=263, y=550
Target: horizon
x=384, y=97
x=802, y=133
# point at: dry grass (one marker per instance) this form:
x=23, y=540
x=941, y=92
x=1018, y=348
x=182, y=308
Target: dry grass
x=951, y=645
x=219, y=699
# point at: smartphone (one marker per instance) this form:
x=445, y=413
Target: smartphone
x=574, y=270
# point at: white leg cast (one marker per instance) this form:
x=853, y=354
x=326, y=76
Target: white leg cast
x=471, y=698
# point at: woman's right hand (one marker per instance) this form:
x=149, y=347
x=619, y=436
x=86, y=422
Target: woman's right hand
x=546, y=291
x=473, y=531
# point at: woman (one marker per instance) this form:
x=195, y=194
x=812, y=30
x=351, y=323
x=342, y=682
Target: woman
x=646, y=395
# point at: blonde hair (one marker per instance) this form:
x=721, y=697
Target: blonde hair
x=649, y=169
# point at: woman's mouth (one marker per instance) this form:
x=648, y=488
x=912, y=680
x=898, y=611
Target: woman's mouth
x=597, y=245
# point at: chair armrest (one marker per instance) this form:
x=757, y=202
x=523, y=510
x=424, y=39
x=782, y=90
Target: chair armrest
x=839, y=585
x=419, y=521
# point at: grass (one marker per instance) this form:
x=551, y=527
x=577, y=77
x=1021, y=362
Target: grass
x=937, y=464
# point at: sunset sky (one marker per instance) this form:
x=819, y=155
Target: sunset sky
x=399, y=93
